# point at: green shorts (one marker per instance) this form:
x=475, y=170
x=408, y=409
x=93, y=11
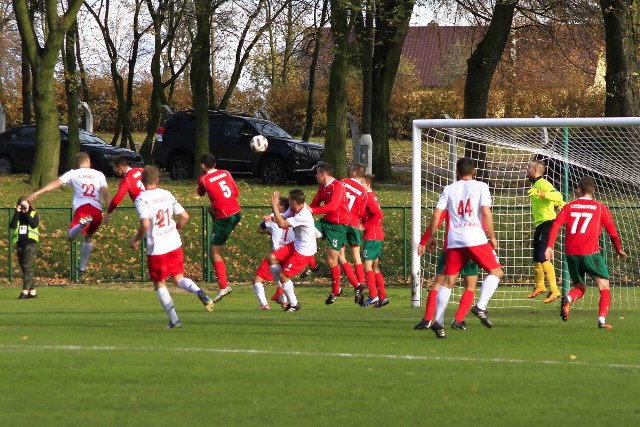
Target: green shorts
x=372, y=250
x=222, y=228
x=354, y=237
x=469, y=269
x=593, y=264
x=336, y=234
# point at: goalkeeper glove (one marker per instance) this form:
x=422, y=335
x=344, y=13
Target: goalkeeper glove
x=561, y=204
x=536, y=192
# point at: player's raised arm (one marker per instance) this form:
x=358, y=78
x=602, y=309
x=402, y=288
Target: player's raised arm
x=57, y=183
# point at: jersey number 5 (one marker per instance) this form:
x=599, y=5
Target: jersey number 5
x=465, y=208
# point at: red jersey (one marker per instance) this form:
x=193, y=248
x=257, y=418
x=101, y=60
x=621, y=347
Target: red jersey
x=131, y=184
x=443, y=217
x=356, y=196
x=372, y=218
x=335, y=203
x=584, y=218
x=222, y=191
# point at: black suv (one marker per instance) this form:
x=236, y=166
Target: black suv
x=229, y=138
x=18, y=147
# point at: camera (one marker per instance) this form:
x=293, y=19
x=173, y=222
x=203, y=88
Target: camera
x=24, y=208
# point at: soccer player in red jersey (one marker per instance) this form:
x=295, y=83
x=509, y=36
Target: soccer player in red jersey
x=468, y=203
x=156, y=209
x=585, y=219
x=372, y=248
x=223, y=193
x=130, y=184
x=330, y=201
x=356, y=198
x=89, y=187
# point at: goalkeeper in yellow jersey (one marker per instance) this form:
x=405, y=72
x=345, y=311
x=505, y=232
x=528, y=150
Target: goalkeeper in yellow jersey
x=544, y=200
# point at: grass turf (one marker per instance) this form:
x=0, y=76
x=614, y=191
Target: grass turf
x=90, y=355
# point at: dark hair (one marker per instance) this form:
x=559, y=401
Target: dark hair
x=368, y=178
x=464, y=166
x=358, y=169
x=296, y=195
x=587, y=184
x=284, y=201
x=121, y=161
x=209, y=160
x=326, y=167
x=24, y=199
x=150, y=175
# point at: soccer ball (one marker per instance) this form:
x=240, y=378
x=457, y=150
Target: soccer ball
x=259, y=143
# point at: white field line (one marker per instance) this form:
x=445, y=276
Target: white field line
x=20, y=348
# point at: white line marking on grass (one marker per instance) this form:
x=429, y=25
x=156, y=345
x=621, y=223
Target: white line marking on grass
x=7, y=348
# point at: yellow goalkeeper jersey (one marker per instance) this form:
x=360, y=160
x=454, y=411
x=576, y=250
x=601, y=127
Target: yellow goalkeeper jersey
x=543, y=208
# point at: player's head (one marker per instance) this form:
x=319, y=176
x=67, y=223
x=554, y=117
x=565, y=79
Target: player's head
x=207, y=161
x=120, y=165
x=464, y=167
x=283, y=204
x=296, y=199
x=150, y=177
x=324, y=172
x=357, y=171
x=367, y=181
x=535, y=169
x=83, y=160
x=587, y=186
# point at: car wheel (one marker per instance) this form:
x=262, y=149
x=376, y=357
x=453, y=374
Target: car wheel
x=181, y=167
x=273, y=171
x=6, y=165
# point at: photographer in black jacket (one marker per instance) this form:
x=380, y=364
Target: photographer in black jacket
x=24, y=226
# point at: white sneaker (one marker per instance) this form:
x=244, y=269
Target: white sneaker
x=222, y=293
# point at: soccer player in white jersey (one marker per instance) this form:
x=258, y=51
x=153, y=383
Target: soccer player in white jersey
x=89, y=186
x=156, y=209
x=292, y=258
x=468, y=203
x=279, y=237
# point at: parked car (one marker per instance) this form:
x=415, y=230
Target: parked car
x=18, y=146
x=229, y=137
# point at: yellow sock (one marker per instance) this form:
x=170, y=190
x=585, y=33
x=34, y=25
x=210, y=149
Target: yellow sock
x=538, y=275
x=550, y=275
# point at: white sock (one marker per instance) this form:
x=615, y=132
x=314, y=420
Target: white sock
x=275, y=271
x=602, y=320
x=288, y=291
x=188, y=285
x=167, y=303
x=259, y=288
x=489, y=286
x=75, y=231
x=442, y=301
x=84, y=256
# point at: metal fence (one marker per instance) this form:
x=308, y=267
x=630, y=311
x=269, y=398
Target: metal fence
x=113, y=261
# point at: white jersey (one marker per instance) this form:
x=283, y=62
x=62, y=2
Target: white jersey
x=159, y=206
x=87, y=186
x=304, y=229
x=463, y=200
x=279, y=236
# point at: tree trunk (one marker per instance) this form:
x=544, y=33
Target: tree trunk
x=365, y=31
x=27, y=90
x=200, y=80
x=622, y=62
x=481, y=66
x=309, y=116
x=392, y=24
x=71, y=87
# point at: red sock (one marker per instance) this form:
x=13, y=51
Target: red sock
x=371, y=283
x=382, y=294
x=360, y=273
x=221, y=273
x=348, y=271
x=313, y=264
x=335, y=279
x=432, y=299
x=605, y=300
x=575, y=294
x=278, y=294
x=465, y=305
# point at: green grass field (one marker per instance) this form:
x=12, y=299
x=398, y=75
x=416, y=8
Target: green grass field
x=101, y=356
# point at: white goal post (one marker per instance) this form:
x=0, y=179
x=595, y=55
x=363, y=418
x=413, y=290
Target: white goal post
x=606, y=148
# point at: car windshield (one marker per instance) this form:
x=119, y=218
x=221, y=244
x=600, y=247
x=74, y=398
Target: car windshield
x=89, y=138
x=269, y=129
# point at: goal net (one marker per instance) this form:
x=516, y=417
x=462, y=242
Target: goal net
x=605, y=148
